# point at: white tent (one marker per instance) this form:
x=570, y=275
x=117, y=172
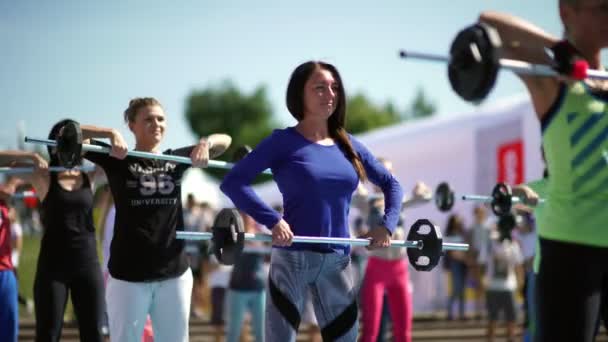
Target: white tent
x=204, y=188
x=471, y=151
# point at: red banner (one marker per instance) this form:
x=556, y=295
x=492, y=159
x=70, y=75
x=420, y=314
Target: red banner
x=510, y=162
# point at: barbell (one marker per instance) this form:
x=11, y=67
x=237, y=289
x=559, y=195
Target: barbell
x=31, y=169
x=443, y=198
x=501, y=200
x=424, y=241
x=70, y=147
x=474, y=62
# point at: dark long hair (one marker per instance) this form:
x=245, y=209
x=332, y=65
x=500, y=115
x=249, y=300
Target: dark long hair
x=337, y=120
x=454, y=226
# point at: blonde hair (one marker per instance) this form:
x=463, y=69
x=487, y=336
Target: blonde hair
x=136, y=104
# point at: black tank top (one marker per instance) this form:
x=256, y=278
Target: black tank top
x=69, y=242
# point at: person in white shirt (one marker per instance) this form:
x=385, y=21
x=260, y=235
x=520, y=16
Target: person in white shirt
x=504, y=267
x=480, y=245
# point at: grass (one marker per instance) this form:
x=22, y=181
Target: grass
x=27, y=265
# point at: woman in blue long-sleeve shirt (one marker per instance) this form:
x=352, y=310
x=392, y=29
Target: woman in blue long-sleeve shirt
x=317, y=166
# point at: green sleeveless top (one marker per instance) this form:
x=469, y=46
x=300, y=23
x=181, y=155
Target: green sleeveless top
x=575, y=139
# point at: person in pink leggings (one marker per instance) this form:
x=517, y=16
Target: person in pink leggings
x=387, y=272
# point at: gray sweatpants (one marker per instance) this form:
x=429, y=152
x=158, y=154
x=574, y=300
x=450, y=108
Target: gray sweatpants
x=331, y=284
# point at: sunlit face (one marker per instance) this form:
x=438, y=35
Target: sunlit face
x=480, y=214
x=320, y=94
x=587, y=22
x=149, y=125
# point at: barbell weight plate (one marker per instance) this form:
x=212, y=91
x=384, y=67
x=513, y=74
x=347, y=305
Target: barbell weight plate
x=444, y=197
x=474, y=62
x=501, y=199
x=69, y=145
x=228, y=236
x=427, y=257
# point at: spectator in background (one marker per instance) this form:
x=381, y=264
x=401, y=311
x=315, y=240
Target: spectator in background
x=457, y=265
x=525, y=236
x=247, y=288
x=480, y=244
x=219, y=279
x=538, y=187
x=9, y=309
x=504, y=267
x=194, y=221
x=17, y=244
x=386, y=284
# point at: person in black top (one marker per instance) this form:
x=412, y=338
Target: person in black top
x=68, y=261
x=148, y=266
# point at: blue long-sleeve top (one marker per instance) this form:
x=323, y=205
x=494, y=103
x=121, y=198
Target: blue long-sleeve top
x=317, y=183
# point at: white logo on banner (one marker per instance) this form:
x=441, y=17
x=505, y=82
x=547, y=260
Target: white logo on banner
x=510, y=163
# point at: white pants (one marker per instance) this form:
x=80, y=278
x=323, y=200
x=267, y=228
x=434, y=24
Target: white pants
x=167, y=302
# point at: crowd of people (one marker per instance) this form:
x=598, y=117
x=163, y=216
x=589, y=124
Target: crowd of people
x=496, y=269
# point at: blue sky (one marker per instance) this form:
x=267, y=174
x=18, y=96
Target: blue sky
x=86, y=59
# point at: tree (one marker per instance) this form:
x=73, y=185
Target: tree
x=363, y=115
x=421, y=106
x=247, y=118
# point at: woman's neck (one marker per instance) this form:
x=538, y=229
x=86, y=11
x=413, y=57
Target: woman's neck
x=147, y=147
x=316, y=129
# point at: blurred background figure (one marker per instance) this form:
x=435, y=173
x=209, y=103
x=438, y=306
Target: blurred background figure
x=478, y=256
x=247, y=289
x=456, y=262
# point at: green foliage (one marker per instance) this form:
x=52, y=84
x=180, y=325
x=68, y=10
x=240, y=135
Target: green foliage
x=421, y=106
x=247, y=118
x=363, y=115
